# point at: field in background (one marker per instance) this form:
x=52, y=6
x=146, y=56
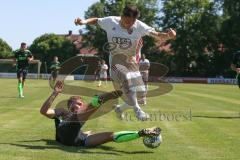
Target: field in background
x=199, y=122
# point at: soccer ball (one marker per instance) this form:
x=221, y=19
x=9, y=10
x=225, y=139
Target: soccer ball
x=152, y=141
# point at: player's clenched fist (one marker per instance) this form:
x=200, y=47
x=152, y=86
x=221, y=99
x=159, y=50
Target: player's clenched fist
x=79, y=21
x=171, y=33
x=58, y=87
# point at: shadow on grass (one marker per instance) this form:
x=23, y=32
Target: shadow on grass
x=9, y=97
x=220, y=117
x=52, y=144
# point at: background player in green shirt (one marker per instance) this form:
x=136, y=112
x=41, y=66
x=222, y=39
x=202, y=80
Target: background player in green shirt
x=22, y=59
x=55, y=66
x=236, y=66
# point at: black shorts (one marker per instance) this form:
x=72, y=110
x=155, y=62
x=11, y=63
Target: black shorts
x=67, y=133
x=22, y=73
x=55, y=74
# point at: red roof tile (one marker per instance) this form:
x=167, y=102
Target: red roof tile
x=78, y=42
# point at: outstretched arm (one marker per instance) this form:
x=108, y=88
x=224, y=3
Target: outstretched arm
x=14, y=58
x=30, y=58
x=91, y=21
x=163, y=36
x=45, y=109
x=235, y=68
x=14, y=62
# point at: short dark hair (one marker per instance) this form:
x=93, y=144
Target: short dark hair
x=131, y=11
x=23, y=44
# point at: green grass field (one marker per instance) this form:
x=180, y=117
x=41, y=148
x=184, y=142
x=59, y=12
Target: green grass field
x=210, y=132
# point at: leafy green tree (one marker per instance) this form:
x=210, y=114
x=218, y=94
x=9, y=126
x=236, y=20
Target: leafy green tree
x=47, y=46
x=5, y=50
x=230, y=36
x=198, y=27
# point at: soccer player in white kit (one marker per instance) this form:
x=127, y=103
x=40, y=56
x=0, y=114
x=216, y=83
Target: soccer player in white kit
x=103, y=73
x=144, y=66
x=125, y=38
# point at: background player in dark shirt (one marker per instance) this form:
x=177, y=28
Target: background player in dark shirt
x=22, y=59
x=236, y=66
x=68, y=122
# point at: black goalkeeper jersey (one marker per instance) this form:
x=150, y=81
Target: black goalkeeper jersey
x=67, y=132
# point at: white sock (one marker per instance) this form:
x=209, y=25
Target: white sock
x=146, y=88
x=124, y=107
x=100, y=83
x=132, y=96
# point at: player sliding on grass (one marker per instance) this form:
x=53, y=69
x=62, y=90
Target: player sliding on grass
x=125, y=39
x=69, y=122
x=236, y=66
x=22, y=59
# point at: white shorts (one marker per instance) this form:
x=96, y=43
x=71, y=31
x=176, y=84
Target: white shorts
x=103, y=75
x=144, y=76
x=128, y=80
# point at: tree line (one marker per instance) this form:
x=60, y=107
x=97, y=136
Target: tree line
x=207, y=35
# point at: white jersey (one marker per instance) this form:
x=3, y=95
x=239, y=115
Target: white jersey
x=103, y=71
x=144, y=65
x=121, y=41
